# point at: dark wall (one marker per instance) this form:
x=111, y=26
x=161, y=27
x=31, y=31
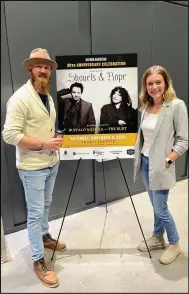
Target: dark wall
x=6, y=90
x=156, y=30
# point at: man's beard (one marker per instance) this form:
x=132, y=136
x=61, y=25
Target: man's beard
x=40, y=84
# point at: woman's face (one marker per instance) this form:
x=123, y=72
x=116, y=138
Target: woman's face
x=116, y=98
x=155, y=86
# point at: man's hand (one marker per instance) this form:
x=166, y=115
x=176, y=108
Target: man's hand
x=53, y=143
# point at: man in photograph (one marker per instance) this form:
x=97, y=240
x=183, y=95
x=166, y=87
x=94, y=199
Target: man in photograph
x=75, y=115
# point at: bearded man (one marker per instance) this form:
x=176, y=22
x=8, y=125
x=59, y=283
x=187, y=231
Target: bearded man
x=30, y=126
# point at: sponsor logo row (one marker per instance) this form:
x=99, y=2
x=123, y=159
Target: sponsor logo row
x=96, y=153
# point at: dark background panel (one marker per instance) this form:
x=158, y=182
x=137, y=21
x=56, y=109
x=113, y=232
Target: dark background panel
x=123, y=27
x=128, y=169
x=170, y=44
x=155, y=30
x=115, y=185
x=83, y=189
x=114, y=181
x=16, y=189
x=8, y=169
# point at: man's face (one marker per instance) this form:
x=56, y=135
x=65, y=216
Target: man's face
x=40, y=77
x=76, y=93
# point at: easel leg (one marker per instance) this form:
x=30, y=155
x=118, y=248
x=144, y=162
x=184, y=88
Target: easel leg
x=105, y=201
x=133, y=206
x=66, y=208
x=104, y=185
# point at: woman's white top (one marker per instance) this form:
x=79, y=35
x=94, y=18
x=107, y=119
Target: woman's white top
x=148, y=126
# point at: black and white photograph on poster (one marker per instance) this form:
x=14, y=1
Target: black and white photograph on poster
x=96, y=96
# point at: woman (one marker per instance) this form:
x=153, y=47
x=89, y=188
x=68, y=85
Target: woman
x=119, y=113
x=162, y=138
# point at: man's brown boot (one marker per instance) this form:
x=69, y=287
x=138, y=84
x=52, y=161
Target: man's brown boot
x=154, y=243
x=46, y=275
x=50, y=243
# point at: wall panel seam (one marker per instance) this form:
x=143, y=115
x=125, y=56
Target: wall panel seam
x=7, y=39
x=4, y=147
x=174, y=3
x=153, y=25
x=90, y=20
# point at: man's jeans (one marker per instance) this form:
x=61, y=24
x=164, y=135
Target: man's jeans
x=163, y=220
x=38, y=187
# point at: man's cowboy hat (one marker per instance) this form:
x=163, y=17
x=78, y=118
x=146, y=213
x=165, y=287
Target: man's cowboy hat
x=39, y=56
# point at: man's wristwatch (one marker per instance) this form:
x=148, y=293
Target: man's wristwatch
x=168, y=162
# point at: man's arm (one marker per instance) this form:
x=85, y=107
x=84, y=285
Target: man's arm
x=91, y=117
x=13, y=129
x=15, y=119
x=64, y=93
x=36, y=144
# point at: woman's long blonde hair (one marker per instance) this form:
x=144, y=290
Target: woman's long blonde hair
x=169, y=93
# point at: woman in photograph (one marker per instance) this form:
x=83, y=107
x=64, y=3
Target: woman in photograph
x=162, y=138
x=119, y=114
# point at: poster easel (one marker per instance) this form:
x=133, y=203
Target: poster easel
x=105, y=202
